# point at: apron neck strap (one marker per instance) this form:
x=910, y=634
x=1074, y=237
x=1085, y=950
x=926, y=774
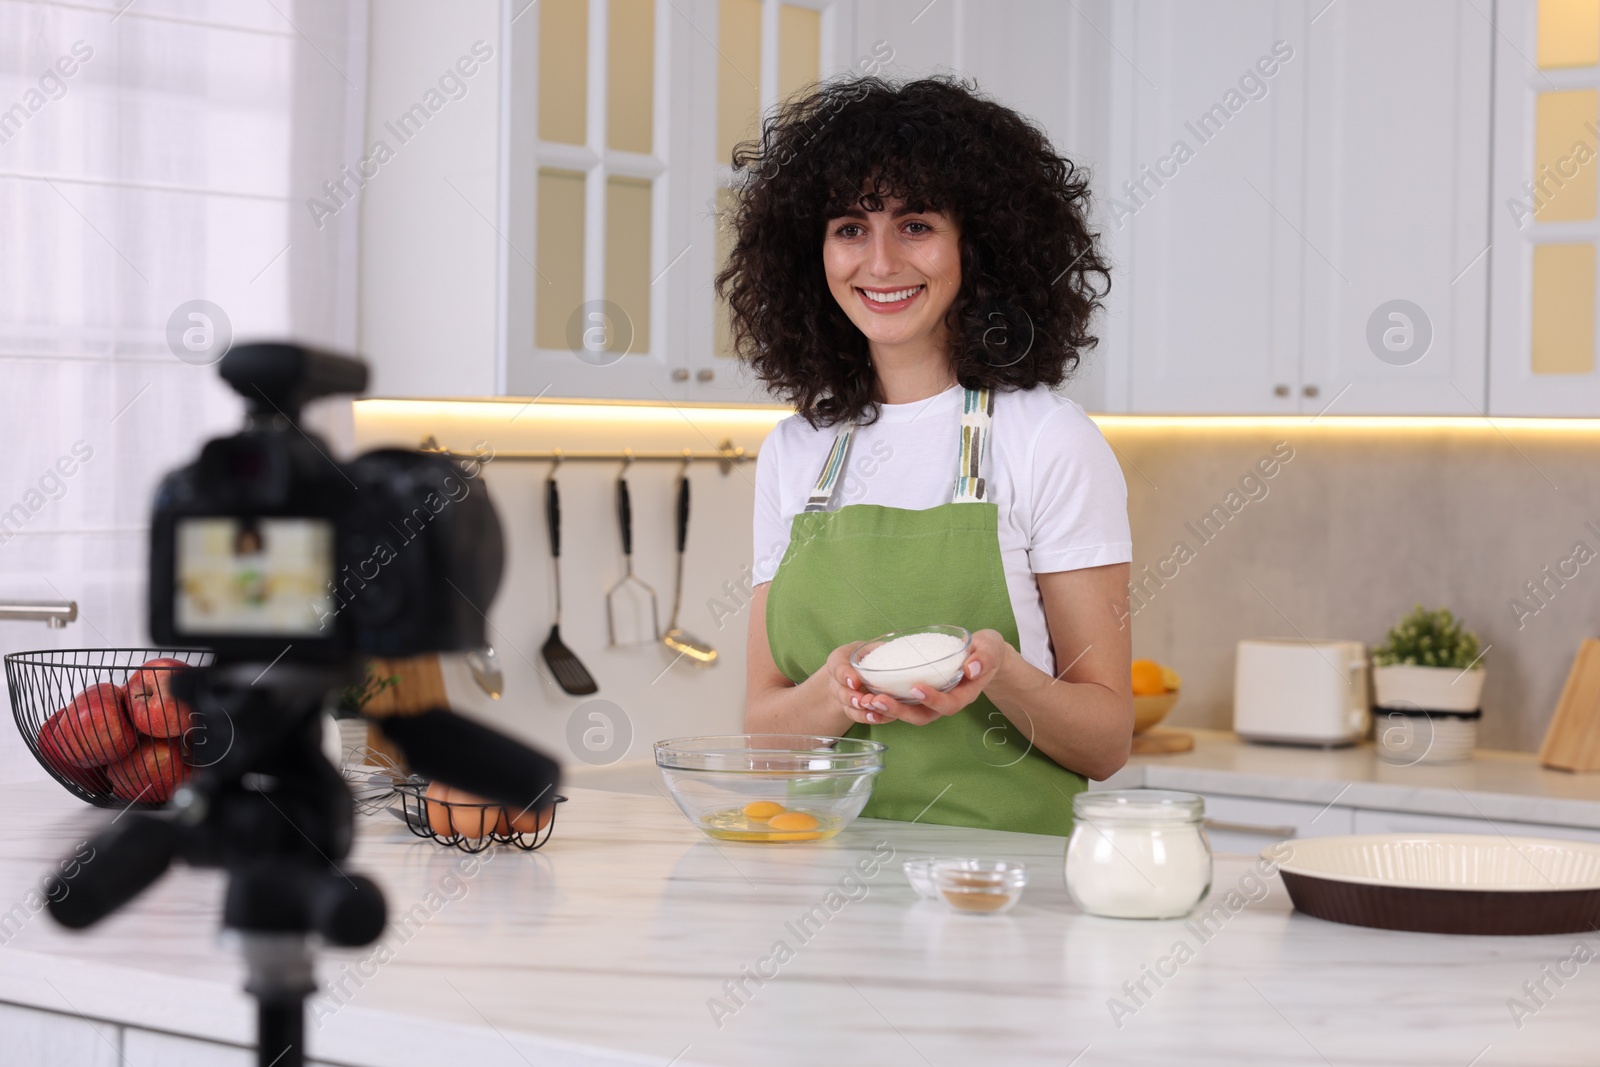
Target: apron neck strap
x=977, y=412
x=822, y=493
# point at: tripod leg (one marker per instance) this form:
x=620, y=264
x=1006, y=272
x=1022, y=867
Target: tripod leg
x=280, y=1033
x=279, y=975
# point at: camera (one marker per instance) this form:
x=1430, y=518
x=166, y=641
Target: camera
x=292, y=569
x=266, y=547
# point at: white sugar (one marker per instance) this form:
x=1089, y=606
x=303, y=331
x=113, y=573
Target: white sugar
x=912, y=650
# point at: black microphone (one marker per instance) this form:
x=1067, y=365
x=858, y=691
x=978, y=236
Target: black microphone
x=440, y=744
x=124, y=860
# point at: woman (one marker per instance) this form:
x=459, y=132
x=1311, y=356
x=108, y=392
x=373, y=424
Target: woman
x=913, y=271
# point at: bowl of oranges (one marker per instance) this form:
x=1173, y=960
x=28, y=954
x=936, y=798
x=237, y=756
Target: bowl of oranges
x=1155, y=691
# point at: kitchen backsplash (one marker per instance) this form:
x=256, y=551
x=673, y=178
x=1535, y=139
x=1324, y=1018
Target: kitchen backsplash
x=1242, y=528
x=1357, y=521
x=646, y=692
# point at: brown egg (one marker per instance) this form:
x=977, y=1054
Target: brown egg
x=530, y=822
x=472, y=816
x=436, y=805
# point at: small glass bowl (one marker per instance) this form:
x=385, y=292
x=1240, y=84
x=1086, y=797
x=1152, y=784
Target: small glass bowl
x=919, y=872
x=941, y=674
x=979, y=887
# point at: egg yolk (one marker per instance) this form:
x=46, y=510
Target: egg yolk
x=793, y=821
x=763, y=809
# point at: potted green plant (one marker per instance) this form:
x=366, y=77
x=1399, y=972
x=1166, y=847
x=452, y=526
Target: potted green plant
x=355, y=697
x=1429, y=662
x=1427, y=680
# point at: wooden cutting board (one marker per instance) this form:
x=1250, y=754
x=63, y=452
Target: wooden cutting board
x=1572, y=743
x=1155, y=742
x=421, y=687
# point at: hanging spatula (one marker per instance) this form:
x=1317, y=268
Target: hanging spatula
x=569, y=673
x=686, y=645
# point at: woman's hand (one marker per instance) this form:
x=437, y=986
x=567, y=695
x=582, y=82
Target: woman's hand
x=989, y=651
x=845, y=687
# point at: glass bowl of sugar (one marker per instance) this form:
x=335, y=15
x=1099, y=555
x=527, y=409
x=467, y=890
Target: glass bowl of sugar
x=929, y=658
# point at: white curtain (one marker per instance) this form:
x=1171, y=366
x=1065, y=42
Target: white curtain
x=152, y=154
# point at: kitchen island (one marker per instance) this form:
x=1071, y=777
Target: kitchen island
x=631, y=939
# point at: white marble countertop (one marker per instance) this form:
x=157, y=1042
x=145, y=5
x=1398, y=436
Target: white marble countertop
x=615, y=944
x=1509, y=786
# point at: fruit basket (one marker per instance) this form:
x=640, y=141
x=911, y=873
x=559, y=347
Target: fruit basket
x=452, y=817
x=104, y=722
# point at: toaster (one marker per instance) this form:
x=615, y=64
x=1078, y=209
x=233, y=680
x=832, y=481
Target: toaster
x=1301, y=692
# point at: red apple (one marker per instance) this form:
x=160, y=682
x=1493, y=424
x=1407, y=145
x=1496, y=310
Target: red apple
x=90, y=778
x=152, y=773
x=94, y=729
x=151, y=705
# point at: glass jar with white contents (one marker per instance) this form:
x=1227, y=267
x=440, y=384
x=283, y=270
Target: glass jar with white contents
x=1138, y=853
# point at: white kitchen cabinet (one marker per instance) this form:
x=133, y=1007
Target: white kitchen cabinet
x=43, y=1037
x=47, y=1038
x=451, y=253
x=1200, y=205
x=1558, y=374
x=1402, y=822
x=1280, y=171
x=1396, y=183
x=1248, y=824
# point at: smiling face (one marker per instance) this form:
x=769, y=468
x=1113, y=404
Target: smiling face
x=895, y=272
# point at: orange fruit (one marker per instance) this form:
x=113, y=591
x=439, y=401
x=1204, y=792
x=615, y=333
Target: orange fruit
x=1147, y=678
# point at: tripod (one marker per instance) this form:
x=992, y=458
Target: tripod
x=265, y=805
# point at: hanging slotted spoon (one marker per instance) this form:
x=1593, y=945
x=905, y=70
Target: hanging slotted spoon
x=692, y=648
x=570, y=674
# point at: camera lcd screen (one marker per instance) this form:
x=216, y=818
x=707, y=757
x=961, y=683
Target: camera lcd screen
x=257, y=577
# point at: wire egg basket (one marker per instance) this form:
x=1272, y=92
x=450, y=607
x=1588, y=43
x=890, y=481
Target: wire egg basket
x=473, y=826
x=104, y=722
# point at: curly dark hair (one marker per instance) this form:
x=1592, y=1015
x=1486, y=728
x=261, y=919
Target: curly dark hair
x=1032, y=275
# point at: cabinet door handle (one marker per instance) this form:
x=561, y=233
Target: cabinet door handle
x=704, y=374
x=1280, y=390
x=680, y=374
x=1311, y=390
x=1249, y=828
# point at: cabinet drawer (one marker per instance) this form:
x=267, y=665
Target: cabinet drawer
x=1402, y=822
x=1247, y=825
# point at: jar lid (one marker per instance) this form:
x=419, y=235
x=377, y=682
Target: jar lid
x=1142, y=806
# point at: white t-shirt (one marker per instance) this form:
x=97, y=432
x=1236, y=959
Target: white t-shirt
x=1063, y=502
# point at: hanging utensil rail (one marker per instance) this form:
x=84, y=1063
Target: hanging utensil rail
x=726, y=455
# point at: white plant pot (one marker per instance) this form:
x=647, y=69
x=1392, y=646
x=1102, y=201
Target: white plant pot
x=1427, y=688
x=1411, y=737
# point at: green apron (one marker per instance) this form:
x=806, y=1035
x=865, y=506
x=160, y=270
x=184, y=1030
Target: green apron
x=862, y=570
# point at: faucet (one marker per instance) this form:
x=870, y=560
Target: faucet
x=55, y=613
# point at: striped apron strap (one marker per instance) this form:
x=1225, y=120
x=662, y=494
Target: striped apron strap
x=977, y=411
x=822, y=493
